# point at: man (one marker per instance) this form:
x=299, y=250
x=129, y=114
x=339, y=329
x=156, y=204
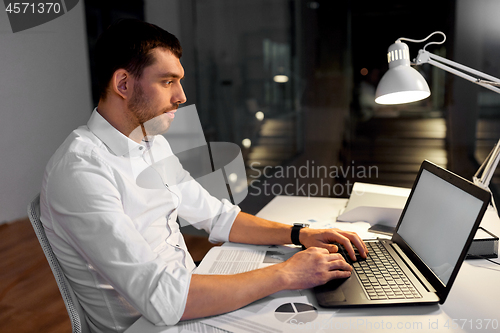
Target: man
x=118, y=241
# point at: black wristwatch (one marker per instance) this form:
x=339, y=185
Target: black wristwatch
x=296, y=232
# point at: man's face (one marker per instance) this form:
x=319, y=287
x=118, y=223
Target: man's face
x=158, y=93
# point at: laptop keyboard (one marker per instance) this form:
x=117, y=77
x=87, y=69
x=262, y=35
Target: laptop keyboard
x=380, y=275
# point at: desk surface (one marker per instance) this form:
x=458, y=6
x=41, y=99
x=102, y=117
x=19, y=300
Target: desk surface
x=472, y=306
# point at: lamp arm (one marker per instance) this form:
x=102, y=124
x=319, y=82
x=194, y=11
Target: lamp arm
x=440, y=62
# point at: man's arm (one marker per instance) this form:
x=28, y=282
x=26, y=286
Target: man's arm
x=215, y=294
x=250, y=229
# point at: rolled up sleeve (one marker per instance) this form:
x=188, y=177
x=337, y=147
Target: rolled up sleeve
x=206, y=212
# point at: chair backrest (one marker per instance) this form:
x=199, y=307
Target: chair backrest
x=75, y=311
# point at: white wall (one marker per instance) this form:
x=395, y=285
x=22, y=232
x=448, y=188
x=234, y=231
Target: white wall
x=44, y=95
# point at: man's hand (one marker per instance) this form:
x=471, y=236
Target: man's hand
x=214, y=294
x=250, y=229
x=313, y=267
x=325, y=237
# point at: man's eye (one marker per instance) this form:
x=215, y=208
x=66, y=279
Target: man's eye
x=167, y=83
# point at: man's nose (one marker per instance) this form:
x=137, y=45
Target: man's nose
x=179, y=97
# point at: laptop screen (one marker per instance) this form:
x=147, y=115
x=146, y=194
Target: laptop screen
x=437, y=223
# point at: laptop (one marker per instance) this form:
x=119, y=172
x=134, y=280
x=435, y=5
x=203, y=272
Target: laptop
x=421, y=261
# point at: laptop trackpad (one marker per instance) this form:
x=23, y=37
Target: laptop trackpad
x=330, y=293
x=338, y=296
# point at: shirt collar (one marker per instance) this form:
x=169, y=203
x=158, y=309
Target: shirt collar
x=118, y=143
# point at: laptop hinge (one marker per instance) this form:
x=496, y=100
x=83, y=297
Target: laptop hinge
x=413, y=268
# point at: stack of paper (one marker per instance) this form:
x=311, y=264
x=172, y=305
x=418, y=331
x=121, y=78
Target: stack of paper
x=375, y=204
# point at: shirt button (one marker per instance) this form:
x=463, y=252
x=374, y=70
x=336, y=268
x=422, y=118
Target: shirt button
x=141, y=148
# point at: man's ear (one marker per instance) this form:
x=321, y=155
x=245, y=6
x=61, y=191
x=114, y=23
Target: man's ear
x=121, y=83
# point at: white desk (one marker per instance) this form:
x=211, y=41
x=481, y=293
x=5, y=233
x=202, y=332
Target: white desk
x=474, y=298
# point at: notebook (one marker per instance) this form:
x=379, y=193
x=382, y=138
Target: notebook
x=421, y=261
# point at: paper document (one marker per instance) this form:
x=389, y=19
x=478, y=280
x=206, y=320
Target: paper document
x=280, y=312
x=190, y=326
x=232, y=258
x=373, y=215
x=277, y=313
x=375, y=204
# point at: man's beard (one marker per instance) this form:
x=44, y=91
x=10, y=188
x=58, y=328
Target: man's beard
x=144, y=113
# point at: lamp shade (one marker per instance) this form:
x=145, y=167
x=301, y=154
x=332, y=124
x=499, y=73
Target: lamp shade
x=401, y=83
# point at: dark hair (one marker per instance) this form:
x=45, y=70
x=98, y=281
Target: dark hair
x=128, y=44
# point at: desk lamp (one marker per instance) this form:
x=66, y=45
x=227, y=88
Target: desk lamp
x=403, y=84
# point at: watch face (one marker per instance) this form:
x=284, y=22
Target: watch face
x=303, y=225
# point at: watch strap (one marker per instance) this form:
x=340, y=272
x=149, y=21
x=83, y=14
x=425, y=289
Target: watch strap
x=296, y=234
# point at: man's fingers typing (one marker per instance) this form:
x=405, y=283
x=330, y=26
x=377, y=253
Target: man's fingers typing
x=350, y=238
x=335, y=256
x=337, y=262
x=339, y=274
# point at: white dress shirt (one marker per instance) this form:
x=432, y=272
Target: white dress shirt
x=111, y=220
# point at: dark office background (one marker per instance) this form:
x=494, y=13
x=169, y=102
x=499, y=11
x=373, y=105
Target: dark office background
x=333, y=54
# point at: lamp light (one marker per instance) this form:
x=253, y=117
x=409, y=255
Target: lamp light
x=280, y=78
x=247, y=143
x=259, y=115
x=403, y=84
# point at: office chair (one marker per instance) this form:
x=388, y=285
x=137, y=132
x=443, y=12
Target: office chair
x=75, y=311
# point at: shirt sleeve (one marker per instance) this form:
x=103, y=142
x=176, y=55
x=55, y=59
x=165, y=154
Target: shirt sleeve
x=85, y=207
x=199, y=208
x=205, y=211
